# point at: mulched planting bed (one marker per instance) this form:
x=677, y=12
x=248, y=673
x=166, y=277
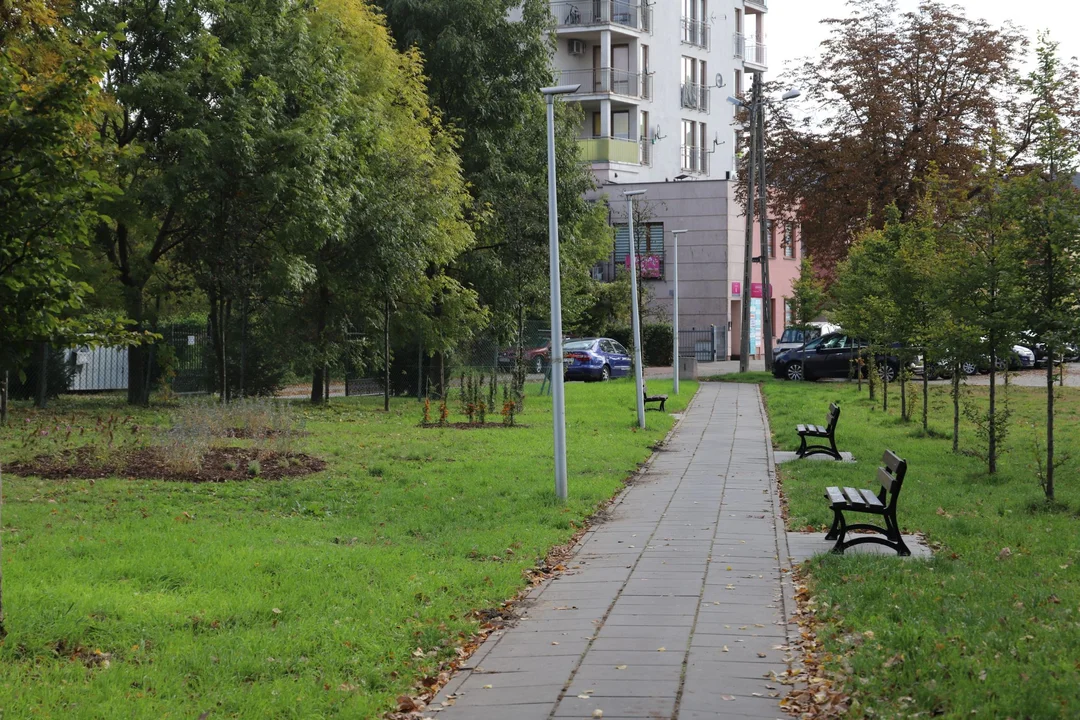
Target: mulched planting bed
x=471, y=426
x=218, y=465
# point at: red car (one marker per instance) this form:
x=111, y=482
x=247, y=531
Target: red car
x=536, y=359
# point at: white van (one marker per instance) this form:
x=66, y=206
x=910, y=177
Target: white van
x=795, y=337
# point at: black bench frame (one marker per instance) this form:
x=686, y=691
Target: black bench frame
x=827, y=431
x=652, y=398
x=891, y=477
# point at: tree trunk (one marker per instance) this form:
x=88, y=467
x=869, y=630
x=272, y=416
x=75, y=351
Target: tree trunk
x=243, y=344
x=1049, y=429
x=871, y=374
x=5, y=382
x=317, y=378
x=925, y=395
x=41, y=392
x=885, y=387
x=956, y=407
x=316, y=383
x=217, y=341
x=991, y=448
x=136, y=383
x=903, y=396
x=3, y=629
x=225, y=322
x=386, y=355
x=326, y=383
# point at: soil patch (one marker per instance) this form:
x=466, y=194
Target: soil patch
x=218, y=465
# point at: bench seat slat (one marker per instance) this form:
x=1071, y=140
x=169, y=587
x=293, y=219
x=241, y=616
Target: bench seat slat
x=800, y=428
x=854, y=497
x=835, y=496
x=870, y=498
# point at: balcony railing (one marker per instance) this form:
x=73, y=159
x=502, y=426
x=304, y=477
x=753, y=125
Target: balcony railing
x=602, y=12
x=610, y=149
x=749, y=50
x=695, y=159
x=695, y=32
x=646, y=150
x=695, y=96
x=760, y=3
x=608, y=80
x=646, y=86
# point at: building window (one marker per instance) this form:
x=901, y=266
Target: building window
x=694, y=157
x=789, y=240
x=695, y=88
x=789, y=312
x=649, y=248
x=770, y=233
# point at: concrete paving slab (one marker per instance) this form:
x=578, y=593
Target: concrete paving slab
x=803, y=546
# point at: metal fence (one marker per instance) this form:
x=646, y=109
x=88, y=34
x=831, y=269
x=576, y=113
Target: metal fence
x=700, y=344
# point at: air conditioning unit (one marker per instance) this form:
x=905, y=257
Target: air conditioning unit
x=577, y=47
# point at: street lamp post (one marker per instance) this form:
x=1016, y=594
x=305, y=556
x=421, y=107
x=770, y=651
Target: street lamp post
x=634, y=315
x=555, y=366
x=675, y=318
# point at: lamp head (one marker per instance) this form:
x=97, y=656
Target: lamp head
x=632, y=193
x=791, y=94
x=736, y=101
x=678, y=232
x=561, y=89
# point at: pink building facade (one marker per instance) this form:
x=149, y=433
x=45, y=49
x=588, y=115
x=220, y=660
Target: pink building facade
x=785, y=249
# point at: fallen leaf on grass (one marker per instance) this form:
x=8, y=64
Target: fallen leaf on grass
x=406, y=704
x=418, y=652
x=1004, y=553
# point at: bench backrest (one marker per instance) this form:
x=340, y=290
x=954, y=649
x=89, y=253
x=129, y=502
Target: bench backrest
x=891, y=476
x=832, y=416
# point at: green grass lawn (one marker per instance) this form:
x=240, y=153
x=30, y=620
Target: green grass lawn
x=966, y=634
x=303, y=598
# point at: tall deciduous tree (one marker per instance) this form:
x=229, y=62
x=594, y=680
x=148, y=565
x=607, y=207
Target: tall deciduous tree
x=894, y=94
x=153, y=77
x=49, y=170
x=487, y=60
x=1047, y=208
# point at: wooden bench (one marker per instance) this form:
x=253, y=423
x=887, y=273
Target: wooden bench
x=891, y=477
x=653, y=398
x=827, y=431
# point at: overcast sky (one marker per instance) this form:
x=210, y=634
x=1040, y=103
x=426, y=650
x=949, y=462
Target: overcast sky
x=793, y=27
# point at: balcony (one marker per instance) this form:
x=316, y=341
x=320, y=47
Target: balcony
x=589, y=13
x=602, y=81
x=695, y=32
x=610, y=149
x=695, y=97
x=763, y=4
x=749, y=50
x=695, y=159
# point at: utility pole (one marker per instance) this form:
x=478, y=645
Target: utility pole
x=766, y=241
x=748, y=249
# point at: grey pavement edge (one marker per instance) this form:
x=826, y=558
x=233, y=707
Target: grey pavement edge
x=675, y=607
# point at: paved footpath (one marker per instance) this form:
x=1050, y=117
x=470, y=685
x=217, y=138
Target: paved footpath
x=675, y=607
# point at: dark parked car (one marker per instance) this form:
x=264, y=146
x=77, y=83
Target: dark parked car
x=829, y=356
x=1068, y=353
x=595, y=359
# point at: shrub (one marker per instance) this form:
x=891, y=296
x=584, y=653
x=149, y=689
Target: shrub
x=656, y=342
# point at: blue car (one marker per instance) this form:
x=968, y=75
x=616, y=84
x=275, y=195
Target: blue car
x=595, y=359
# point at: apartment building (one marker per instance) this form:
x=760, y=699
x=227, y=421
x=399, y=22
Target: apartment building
x=654, y=81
